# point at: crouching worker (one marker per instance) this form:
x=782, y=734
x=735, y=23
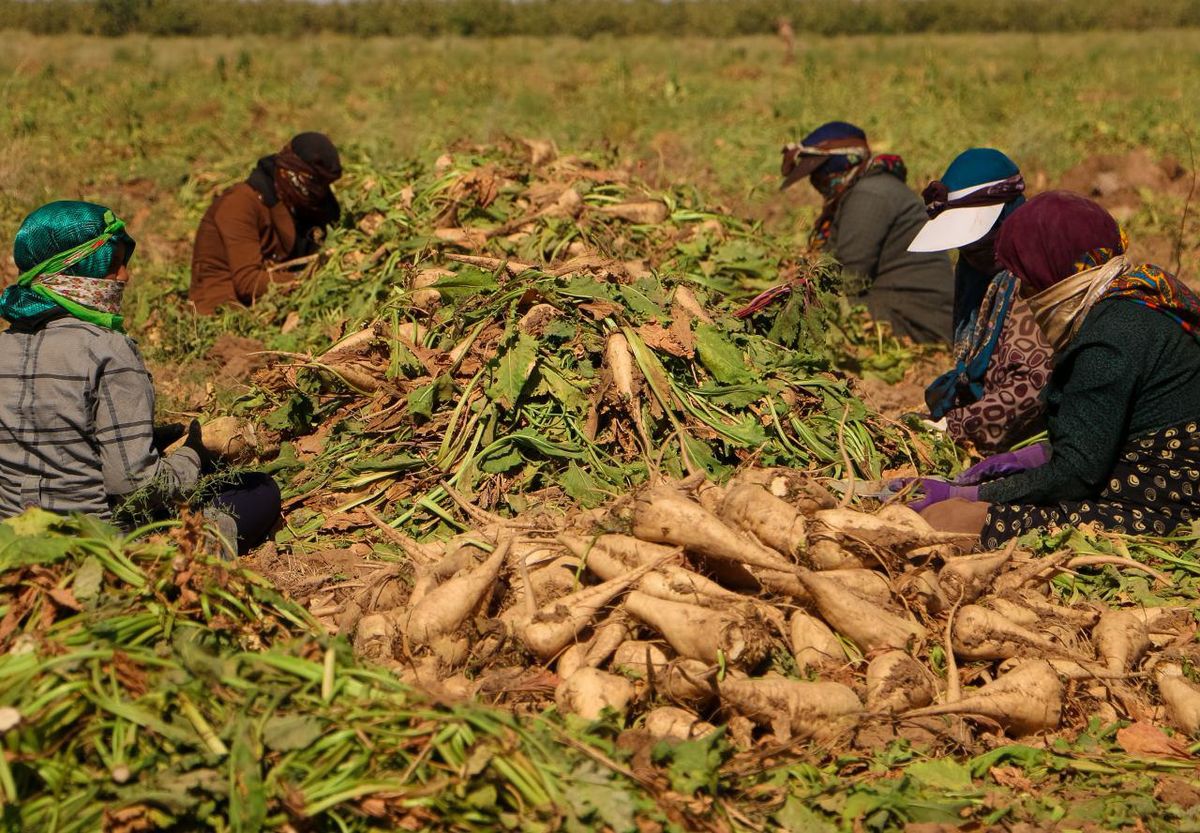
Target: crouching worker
x=252, y=230
x=76, y=400
x=990, y=398
x=1123, y=401
x=867, y=221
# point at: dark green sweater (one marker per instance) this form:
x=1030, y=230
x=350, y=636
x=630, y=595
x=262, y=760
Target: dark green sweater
x=1129, y=371
x=876, y=220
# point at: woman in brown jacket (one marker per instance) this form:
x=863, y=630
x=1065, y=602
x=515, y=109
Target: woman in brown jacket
x=279, y=213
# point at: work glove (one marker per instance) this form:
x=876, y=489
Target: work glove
x=195, y=442
x=934, y=491
x=1002, y=465
x=166, y=435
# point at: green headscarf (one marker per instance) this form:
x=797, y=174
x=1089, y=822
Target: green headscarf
x=61, y=237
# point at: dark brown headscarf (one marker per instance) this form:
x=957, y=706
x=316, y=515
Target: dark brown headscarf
x=1054, y=236
x=305, y=169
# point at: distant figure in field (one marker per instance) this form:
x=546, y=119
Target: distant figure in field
x=278, y=214
x=783, y=28
x=1002, y=359
x=867, y=221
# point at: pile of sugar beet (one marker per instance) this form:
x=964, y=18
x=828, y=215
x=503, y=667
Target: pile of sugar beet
x=764, y=606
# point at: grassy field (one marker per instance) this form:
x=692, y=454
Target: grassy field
x=119, y=731
x=153, y=126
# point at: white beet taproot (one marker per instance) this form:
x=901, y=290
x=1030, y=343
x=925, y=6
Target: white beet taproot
x=814, y=645
x=967, y=577
x=864, y=623
x=677, y=584
x=608, y=635
x=1181, y=697
x=554, y=626
x=664, y=516
x=703, y=633
x=677, y=723
x=375, y=636
x=792, y=708
x=589, y=691
x=687, y=302
x=233, y=439
x=710, y=496
x=1013, y=611
x=426, y=578
x=897, y=531
x=1077, y=616
x=826, y=553
x=1068, y=669
x=644, y=659
x=571, y=660
x=795, y=487
x=444, y=608
x=897, y=683
x=1024, y=701
x=771, y=520
x=872, y=585
x=982, y=634
x=1121, y=639
x=921, y=590
x=688, y=682
x=612, y=556
x=1171, y=619
x=1032, y=571
x=620, y=364
x=642, y=212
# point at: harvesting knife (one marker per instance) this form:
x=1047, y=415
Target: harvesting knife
x=874, y=489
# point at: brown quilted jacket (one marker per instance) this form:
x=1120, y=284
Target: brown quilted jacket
x=239, y=237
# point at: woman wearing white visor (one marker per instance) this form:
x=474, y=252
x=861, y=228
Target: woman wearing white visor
x=1002, y=360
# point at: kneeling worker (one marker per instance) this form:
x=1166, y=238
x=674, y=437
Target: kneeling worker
x=278, y=214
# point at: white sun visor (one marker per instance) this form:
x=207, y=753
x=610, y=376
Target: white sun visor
x=957, y=227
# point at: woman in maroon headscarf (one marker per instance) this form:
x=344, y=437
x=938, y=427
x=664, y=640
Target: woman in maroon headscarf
x=278, y=214
x=1123, y=403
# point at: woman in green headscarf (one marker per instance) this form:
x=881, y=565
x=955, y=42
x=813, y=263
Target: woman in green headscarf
x=76, y=400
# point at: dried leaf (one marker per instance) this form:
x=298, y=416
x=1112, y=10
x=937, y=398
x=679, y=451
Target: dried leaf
x=1145, y=740
x=660, y=338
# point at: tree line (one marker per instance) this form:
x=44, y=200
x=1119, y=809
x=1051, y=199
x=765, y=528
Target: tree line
x=587, y=18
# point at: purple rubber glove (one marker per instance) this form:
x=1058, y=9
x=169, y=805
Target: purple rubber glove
x=1002, y=465
x=935, y=491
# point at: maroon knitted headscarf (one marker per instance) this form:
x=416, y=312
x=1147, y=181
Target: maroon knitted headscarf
x=1054, y=236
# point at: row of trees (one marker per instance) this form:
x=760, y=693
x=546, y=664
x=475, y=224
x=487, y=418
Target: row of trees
x=587, y=18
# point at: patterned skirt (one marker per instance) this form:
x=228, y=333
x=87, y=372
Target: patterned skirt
x=1154, y=487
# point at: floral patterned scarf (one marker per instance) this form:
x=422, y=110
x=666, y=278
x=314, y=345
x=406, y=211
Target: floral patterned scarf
x=819, y=237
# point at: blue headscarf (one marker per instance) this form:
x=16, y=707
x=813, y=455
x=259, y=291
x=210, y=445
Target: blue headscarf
x=836, y=131
x=981, y=301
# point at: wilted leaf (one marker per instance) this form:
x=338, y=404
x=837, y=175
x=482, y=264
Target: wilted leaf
x=795, y=817
x=693, y=765
x=513, y=372
x=247, y=798
x=942, y=774
x=582, y=487
x=659, y=337
x=88, y=580
x=720, y=357
x=596, y=796
x=285, y=733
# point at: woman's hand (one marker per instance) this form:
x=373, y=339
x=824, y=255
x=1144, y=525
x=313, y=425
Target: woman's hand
x=935, y=491
x=1002, y=465
x=195, y=441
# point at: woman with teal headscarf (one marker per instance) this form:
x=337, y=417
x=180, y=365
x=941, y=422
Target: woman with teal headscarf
x=76, y=401
x=990, y=399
